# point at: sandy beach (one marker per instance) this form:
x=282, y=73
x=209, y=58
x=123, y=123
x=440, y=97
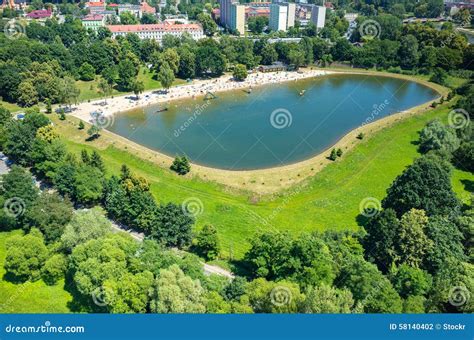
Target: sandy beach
x=192, y=90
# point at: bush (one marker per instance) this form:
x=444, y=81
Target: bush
x=333, y=155
x=181, y=165
x=207, y=243
x=81, y=125
x=361, y=136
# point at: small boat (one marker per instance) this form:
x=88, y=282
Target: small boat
x=161, y=110
x=302, y=92
x=249, y=90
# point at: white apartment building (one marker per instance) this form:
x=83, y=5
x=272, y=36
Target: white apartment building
x=318, y=16
x=282, y=16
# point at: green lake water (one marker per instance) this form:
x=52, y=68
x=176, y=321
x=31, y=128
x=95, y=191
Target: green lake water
x=273, y=125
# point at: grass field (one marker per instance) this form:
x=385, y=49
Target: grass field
x=328, y=200
x=29, y=297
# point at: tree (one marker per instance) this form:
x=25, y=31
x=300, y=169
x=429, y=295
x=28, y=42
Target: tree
x=166, y=75
x=138, y=87
x=173, y=227
x=105, y=88
x=333, y=155
x=209, y=59
x=425, y=185
x=174, y=292
x=257, y=24
x=93, y=131
x=127, y=72
x=25, y=255
x=129, y=294
x=327, y=299
x=369, y=287
x=148, y=18
x=464, y=156
x=88, y=184
x=436, y=136
x=447, y=243
x=410, y=281
x=49, y=213
x=236, y=288
x=412, y=244
x=269, y=54
x=54, y=269
x=439, y=76
x=274, y=297
x=86, y=72
x=379, y=242
x=85, y=225
x=187, y=63
x=207, y=242
x=296, y=57
x=181, y=165
x=240, y=72
x=127, y=18
x=28, y=94
x=208, y=25
x=408, y=52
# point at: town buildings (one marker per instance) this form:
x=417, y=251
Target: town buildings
x=318, y=16
x=93, y=21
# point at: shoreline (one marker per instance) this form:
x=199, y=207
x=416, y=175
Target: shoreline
x=274, y=179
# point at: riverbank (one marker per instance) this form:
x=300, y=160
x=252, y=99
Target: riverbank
x=270, y=180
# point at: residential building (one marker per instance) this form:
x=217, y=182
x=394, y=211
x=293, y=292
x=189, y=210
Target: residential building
x=225, y=9
x=93, y=21
x=237, y=18
x=282, y=16
x=146, y=8
x=318, y=16
x=157, y=31
x=134, y=9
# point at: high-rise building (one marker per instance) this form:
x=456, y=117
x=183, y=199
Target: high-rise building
x=225, y=9
x=282, y=16
x=318, y=16
x=237, y=17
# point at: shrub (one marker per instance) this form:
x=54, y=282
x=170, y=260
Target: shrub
x=181, y=165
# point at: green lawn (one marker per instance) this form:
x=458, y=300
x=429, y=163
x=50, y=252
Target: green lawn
x=29, y=297
x=328, y=200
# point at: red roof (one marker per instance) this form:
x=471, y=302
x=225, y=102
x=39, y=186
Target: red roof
x=112, y=5
x=39, y=14
x=146, y=8
x=152, y=27
x=95, y=4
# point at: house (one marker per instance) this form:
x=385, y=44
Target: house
x=93, y=21
x=95, y=7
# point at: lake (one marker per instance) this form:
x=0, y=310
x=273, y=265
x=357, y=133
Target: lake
x=273, y=125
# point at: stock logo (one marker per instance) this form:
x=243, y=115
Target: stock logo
x=281, y=118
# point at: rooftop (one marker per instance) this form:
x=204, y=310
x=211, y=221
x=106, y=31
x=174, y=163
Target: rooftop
x=39, y=14
x=93, y=17
x=153, y=27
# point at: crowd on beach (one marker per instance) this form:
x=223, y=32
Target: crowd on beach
x=194, y=89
